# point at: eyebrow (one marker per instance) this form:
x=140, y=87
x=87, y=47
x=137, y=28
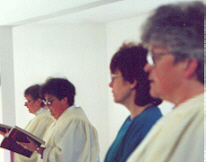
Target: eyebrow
x=48, y=98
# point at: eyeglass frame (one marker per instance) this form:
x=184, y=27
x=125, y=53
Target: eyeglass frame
x=46, y=102
x=151, y=56
x=113, y=76
x=28, y=101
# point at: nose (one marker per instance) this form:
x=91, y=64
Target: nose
x=25, y=104
x=111, y=84
x=147, y=67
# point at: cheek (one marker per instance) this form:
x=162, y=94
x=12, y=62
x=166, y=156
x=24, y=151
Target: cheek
x=54, y=108
x=119, y=91
x=166, y=82
x=161, y=81
x=51, y=109
x=30, y=106
x=115, y=88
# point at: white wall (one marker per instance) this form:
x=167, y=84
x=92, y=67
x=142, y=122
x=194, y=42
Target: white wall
x=1, y=121
x=7, y=82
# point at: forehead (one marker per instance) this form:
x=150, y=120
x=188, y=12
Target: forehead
x=157, y=48
x=48, y=96
x=28, y=97
x=117, y=71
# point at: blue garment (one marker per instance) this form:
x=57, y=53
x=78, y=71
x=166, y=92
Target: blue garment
x=131, y=134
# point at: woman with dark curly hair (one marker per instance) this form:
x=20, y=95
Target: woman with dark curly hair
x=130, y=87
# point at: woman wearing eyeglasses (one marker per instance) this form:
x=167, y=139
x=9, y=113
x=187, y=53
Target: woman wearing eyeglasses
x=130, y=87
x=39, y=124
x=73, y=138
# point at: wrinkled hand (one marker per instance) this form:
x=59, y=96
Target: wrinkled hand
x=29, y=146
x=4, y=133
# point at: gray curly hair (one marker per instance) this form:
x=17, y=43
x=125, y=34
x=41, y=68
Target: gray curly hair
x=180, y=29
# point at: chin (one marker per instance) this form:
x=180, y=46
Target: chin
x=154, y=94
x=116, y=101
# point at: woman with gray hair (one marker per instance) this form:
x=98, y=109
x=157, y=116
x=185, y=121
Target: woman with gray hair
x=174, y=36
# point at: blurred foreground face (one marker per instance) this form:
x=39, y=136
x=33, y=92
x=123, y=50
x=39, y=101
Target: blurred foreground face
x=31, y=104
x=165, y=76
x=121, y=88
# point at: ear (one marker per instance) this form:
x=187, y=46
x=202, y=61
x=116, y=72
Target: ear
x=65, y=100
x=132, y=85
x=191, y=68
x=39, y=100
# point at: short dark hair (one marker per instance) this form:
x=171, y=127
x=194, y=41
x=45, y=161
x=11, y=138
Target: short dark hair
x=34, y=92
x=130, y=60
x=180, y=29
x=60, y=88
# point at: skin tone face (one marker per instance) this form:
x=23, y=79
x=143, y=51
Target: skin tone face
x=57, y=106
x=32, y=105
x=122, y=90
x=166, y=77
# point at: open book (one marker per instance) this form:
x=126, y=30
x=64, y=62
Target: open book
x=3, y=127
x=18, y=134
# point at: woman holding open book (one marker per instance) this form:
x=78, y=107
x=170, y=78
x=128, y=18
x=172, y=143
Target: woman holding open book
x=39, y=124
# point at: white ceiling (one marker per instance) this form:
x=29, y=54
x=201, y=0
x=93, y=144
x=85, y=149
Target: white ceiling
x=21, y=12
x=107, y=12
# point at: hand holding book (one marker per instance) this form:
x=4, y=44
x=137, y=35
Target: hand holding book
x=4, y=129
x=31, y=146
x=4, y=133
x=17, y=136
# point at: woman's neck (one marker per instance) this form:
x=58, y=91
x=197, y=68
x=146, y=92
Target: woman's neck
x=136, y=110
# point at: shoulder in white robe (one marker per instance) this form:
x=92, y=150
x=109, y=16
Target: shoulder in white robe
x=73, y=139
x=177, y=137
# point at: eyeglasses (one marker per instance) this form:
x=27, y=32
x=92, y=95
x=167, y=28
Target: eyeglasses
x=153, y=56
x=46, y=102
x=113, y=76
x=27, y=101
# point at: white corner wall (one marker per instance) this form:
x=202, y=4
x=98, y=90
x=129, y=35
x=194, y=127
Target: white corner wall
x=1, y=121
x=7, y=83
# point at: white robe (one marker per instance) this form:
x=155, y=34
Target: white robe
x=37, y=126
x=73, y=139
x=177, y=137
